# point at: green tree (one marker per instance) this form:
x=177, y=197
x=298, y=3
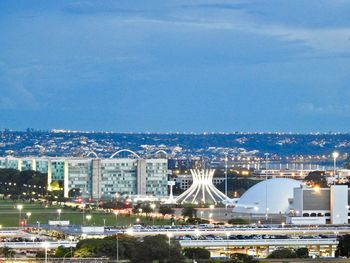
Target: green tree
x=84, y=252
x=6, y=252
x=282, y=253
x=302, y=252
x=62, y=252
x=196, y=253
x=238, y=221
x=242, y=258
x=166, y=210
x=317, y=178
x=156, y=248
x=188, y=211
x=343, y=248
x=146, y=208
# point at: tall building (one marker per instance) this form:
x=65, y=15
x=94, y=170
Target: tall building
x=100, y=178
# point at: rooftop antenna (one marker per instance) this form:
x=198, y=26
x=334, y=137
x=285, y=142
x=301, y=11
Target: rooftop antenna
x=266, y=208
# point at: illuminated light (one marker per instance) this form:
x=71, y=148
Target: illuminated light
x=45, y=244
x=317, y=188
x=202, y=189
x=130, y=231
x=335, y=155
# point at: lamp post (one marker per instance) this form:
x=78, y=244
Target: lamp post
x=19, y=207
x=116, y=217
x=117, y=248
x=83, y=206
x=88, y=218
x=153, y=206
x=28, y=214
x=335, y=156
x=197, y=233
x=227, y=237
x=59, y=211
x=169, y=235
x=45, y=245
x=266, y=208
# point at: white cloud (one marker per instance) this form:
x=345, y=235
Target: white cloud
x=311, y=108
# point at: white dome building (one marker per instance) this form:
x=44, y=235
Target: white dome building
x=279, y=191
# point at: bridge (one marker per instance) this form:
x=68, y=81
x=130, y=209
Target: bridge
x=38, y=245
x=259, y=242
x=234, y=231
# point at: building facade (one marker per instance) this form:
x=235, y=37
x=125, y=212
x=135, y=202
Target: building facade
x=331, y=203
x=100, y=178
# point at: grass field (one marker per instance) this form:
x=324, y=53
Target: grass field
x=9, y=216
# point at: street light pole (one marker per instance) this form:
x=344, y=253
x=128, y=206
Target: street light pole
x=59, y=211
x=28, y=214
x=266, y=208
x=19, y=207
x=116, y=217
x=83, y=214
x=117, y=248
x=153, y=206
x=226, y=174
x=45, y=245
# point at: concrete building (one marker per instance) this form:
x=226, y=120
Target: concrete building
x=300, y=203
x=331, y=203
x=100, y=178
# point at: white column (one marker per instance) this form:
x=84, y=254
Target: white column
x=339, y=203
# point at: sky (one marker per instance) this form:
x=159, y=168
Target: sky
x=175, y=66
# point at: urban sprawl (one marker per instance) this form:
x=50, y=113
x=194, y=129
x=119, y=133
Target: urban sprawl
x=230, y=197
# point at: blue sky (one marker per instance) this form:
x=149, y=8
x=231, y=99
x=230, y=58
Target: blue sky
x=165, y=66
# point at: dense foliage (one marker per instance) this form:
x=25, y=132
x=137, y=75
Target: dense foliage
x=138, y=251
x=343, y=248
x=22, y=184
x=289, y=253
x=317, y=178
x=196, y=253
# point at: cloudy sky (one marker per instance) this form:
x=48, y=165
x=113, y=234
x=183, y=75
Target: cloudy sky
x=209, y=65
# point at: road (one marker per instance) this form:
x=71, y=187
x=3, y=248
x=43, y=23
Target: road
x=258, y=242
x=234, y=231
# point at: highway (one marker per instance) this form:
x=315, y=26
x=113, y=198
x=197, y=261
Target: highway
x=233, y=231
x=37, y=245
x=258, y=242
x=191, y=243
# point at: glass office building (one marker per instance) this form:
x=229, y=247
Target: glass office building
x=99, y=178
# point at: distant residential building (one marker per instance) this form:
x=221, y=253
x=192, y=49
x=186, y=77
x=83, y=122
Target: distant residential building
x=100, y=178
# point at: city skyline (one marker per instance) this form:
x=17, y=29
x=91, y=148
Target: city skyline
x=182, y=66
